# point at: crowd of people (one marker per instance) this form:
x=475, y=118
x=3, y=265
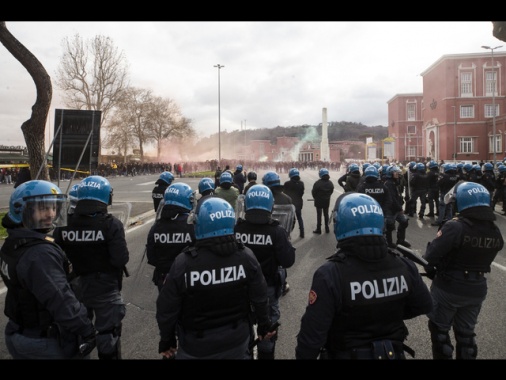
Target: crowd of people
x=221, y=256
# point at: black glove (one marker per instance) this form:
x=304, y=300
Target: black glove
x=262, y=330
x=165, y=345
x=87, y=344
x=430, y=271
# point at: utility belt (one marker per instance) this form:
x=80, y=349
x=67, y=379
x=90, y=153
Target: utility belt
x=377, y=350
x=38, y=332
x=460, y=274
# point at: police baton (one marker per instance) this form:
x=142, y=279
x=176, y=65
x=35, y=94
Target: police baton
x=273, y=327
x=410, y=254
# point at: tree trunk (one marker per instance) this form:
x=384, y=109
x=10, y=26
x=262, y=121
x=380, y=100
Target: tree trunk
x=34, y=128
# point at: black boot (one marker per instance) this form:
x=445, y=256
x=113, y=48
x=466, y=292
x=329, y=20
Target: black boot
x=265, y=355
x=327, y=229
x=317, y=231
x=301, y=234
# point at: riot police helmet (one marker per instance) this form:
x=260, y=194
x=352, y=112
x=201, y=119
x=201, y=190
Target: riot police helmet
x=469, y=194
x=323, y=172
x=357, y=214
x=215, y=218
x=226, y=177
x=179, y=194
x=206, y=184
x=488, y=167
x=166, y=177
x=271, y=179
x=38, y=205
x=259, y=197
x=371, y=171
x=294, y=172
x=353, y=168
x=95, y=188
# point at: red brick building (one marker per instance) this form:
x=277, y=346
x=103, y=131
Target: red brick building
x=452, y=119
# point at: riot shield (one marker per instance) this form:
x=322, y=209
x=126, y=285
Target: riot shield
x=121, y=211
x=239, y=208
x=285, y=214
x=139, y=290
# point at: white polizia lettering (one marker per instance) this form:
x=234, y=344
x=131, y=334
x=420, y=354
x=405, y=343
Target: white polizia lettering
x=177, y=237
x=217, y=276
x=172, y=190
x=255, y=239
x=222, y=214
x=386, y=287
x=258, y=193
x=85, y=235
x=367, y=209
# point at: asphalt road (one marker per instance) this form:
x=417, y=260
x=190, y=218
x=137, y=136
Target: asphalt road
x=140, y=332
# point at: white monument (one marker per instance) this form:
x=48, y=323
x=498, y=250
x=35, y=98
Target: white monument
x=324, y=145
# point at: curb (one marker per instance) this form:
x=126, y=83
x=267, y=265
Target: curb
x=134, y=221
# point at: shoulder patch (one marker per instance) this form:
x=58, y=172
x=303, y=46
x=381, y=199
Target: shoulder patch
x=312, y=297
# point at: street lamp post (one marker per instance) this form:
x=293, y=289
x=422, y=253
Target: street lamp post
x=494, y=143
x=454, y=135
x=219, y=115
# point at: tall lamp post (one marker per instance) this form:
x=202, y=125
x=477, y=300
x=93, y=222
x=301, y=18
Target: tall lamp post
x=219, y=115
x=493, y=99
x=454, y=135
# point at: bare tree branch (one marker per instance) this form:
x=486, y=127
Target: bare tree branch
x=34, y=128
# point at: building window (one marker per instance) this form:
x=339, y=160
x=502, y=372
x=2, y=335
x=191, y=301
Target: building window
x=490, y=83
x=467, y=144
x=498, y=143
x=489, y=110
x=411, y=129
x=466, y=84
x=411, y=151
x=467, y=111
x=411, y=111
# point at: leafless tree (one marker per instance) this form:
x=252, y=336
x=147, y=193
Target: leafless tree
x=167, y=123
x=92, y=74
x=135, y=105
x=119, y=136
x=34, y=128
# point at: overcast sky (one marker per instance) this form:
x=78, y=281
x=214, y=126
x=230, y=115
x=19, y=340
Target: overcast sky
x=274, y=74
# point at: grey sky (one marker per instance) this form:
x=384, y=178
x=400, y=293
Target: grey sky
x=276, y=73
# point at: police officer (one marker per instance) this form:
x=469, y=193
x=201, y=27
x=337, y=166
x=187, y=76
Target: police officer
x=500, y=189
x=349, y=180
x=375, y=188
x=488, y=179
x=94, y=240
x=46, y=320
x=419, y=185
x=239, y=178
x=322, y=191
x=433, y=189
x=393, y=175
x=165, y=180
x=458, y=258
x=206, y=189
x=294, y=188
x=226, y=190
x=171, y=232
x=446, y=181
x=270, y=243
x=272, y=180
x=204, y=310
x=361, y=296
